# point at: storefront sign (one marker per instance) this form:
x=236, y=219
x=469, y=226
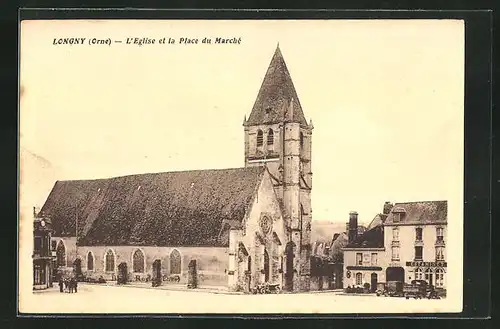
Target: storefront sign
x=366, y=268
x=426, y=264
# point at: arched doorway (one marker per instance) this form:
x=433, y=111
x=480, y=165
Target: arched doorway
x=266, y=266
x=61, y=254
x=289, y=266
x=373, y=282
x=122, y=273
x=157, y=272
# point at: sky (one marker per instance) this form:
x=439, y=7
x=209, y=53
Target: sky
x=385, y=97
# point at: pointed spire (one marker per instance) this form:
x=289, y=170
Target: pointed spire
x=245, y=120
x=311, y=124
x=272, y=103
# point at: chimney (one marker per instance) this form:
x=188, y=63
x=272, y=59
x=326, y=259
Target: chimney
x=353, y=226
x=387, y=208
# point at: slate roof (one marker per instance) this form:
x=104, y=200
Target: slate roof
x=420, y=212
x=373, y=238
x=185, y=208
x=275, y=96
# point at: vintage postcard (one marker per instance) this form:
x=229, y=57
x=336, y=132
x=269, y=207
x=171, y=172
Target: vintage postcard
x=251, y=166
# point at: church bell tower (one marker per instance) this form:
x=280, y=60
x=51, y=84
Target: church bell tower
x=277, y=135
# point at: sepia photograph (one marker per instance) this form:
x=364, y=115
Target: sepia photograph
x=249, y=166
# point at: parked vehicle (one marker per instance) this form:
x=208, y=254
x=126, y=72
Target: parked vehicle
x=267, y=288
x=416, y=289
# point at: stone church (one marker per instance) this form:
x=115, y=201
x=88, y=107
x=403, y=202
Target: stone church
x=242, y=226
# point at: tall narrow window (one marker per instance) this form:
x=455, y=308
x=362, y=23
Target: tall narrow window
x=359, y=258
x=374, y=258
x=395, y=253
x=90, y=261
x=439, y=234
x=428, y=276
x=175, y=262
x=260, y=138
x=359, y=279
x=418, y=253
x=301, y=140
x=110, y=261
x=138, y=261
x=418, y=234
x=395, y=234
x=270, y=137
x=439, y=253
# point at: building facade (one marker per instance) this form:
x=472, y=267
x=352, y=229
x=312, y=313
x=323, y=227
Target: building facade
x=42, y=254
x=404, y=243
x=242, y=226
x=415, y=239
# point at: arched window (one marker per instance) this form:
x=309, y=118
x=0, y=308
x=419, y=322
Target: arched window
x=439, y=277
x=138, y=261
x=61, y=254
x=270, y=137
x=110, y=261
x=260, y=138
x=359, y=279
x=266, y=266
x=419, y=275
x=175, y=262
x=90, y=261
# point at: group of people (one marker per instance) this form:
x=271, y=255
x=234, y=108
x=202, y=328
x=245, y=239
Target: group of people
x=69, y=285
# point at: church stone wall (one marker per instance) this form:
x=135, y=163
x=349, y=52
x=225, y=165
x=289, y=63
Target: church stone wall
x=212, y=262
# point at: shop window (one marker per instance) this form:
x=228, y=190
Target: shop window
x=439, y=278
x=419, y=274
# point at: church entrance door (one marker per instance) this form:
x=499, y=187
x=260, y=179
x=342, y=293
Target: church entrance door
x=77, y=265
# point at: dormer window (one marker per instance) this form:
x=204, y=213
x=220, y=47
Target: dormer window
x=260, y=138
x=398, y=214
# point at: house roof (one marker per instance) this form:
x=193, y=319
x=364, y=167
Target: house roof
x=420, y=212
x=277, y=97
x=185, y=208
x=379, y=219
x=373, y=238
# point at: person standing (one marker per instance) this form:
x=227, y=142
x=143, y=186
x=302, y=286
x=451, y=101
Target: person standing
x=76, y=285
x=61, y=285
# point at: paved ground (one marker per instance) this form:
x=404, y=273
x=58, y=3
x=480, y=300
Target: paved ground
x=120, y=299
